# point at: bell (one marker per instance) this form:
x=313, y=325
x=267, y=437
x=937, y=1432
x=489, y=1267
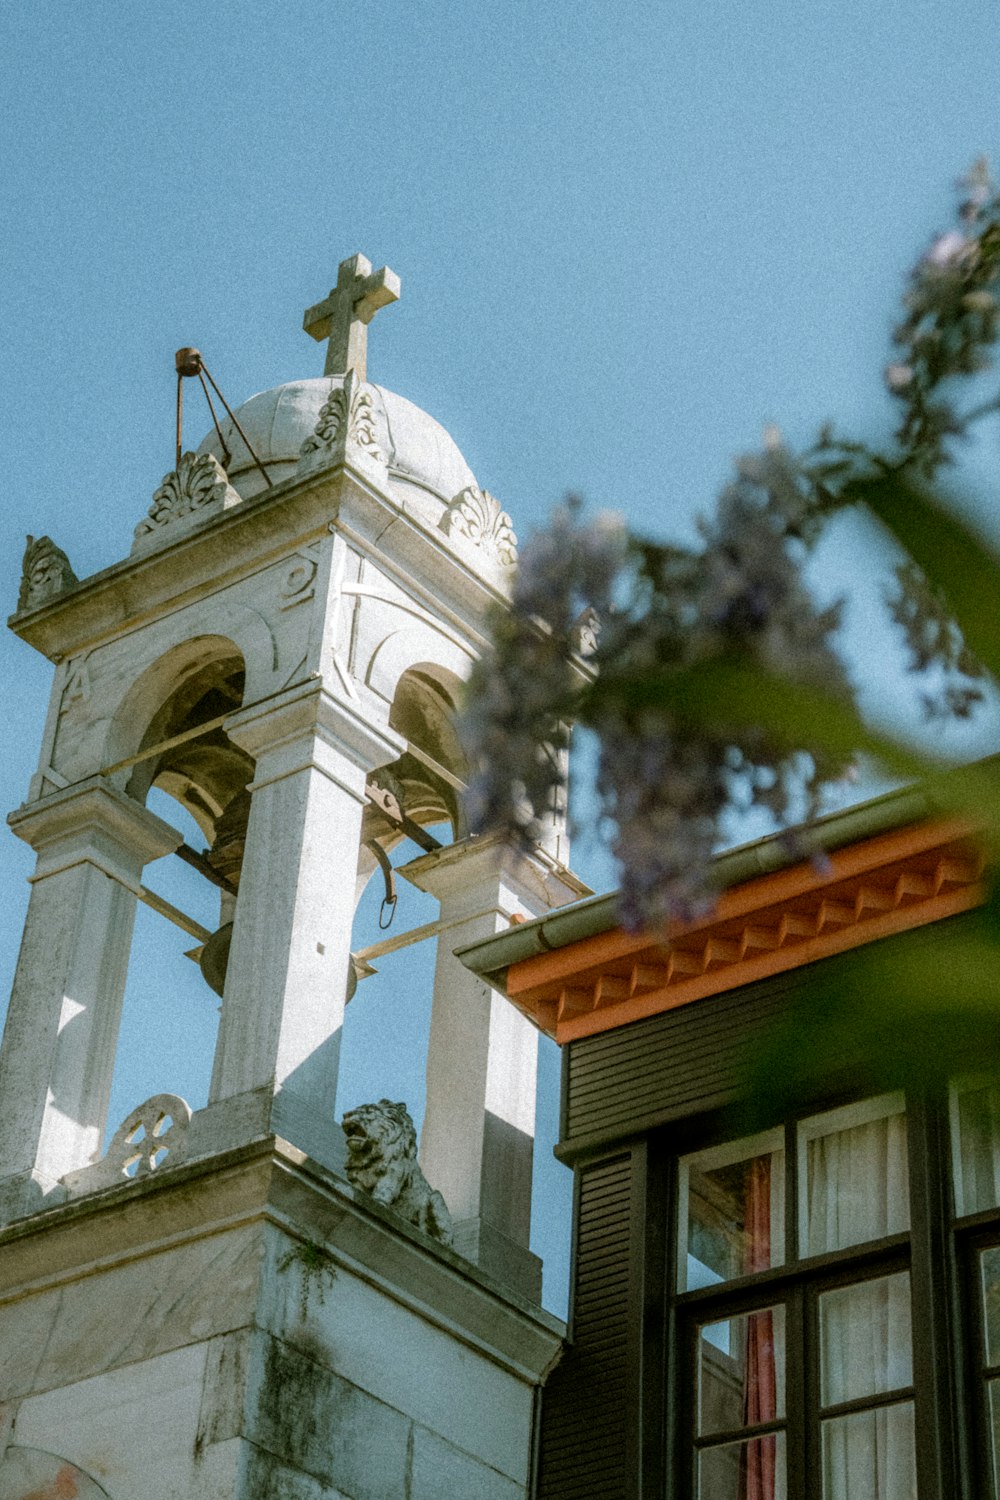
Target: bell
x=214, y=961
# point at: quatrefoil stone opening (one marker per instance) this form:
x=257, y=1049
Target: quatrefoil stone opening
x=153, y=1133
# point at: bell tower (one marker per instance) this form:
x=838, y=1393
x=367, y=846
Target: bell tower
x=282, y=652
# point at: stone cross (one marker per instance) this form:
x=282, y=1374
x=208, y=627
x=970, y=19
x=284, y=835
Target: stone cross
x=343, y=317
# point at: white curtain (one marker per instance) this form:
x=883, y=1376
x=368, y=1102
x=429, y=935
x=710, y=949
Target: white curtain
x=857, y=1191
x=858, y=1188
x=978, y=1183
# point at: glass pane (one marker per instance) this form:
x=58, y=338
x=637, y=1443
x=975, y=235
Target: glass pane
x=741, y=1371
x=989, y=1266
x=743, y=1471
x=856, y=1186
x=865, y=1339
x=870, y=1455
x=733, y=1213
x=976, y=1124
x=994, y=1390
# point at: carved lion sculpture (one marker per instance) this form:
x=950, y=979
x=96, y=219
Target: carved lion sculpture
x=382, y=1161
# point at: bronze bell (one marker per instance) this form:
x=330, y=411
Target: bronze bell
x=226, y=858
x=214, y=961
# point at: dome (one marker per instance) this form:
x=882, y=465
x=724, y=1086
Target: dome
x=425, y=465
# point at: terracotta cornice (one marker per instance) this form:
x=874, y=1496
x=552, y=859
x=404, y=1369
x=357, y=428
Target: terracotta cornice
x=884, y=885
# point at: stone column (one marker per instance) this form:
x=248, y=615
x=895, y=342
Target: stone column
x=279, y=1039
x=58, y=1052
x=479, y=1126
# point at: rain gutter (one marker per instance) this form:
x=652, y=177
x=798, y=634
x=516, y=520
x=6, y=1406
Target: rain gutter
x=491, y=957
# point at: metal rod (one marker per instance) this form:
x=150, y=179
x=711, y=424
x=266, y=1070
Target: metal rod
x=385, y=865
x=174, y=914
x=233, y=418
x=175, y=739
x=401, y=940
x=201, y=864
x=424, y=840
x=226, y=455
x=390, y=809
x=180, y=417
x=436, y=767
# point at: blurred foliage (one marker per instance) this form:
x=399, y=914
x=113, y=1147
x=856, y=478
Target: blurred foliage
x=711, y=679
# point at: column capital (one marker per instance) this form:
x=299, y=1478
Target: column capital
x=470, y=866
x=288, y=727
x=93, y=821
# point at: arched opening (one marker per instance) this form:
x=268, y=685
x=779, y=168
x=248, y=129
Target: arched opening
x=179, y=761
x=425, y=779
x=386, y=1026
x=205, y=772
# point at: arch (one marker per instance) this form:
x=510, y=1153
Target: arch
x=413, y=645
x=176, y=641
x=32, y=1474
x=196, y=681
x=424, y=710
x=141, y=704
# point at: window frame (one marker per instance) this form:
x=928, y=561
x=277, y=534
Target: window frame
x=939, y=1252
x=973, y=1235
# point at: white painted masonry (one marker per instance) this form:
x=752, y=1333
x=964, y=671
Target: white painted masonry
x=482, y=1061
x=237, y=1321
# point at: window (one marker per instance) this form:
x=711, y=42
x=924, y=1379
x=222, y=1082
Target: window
x=974, y=1106
x=828, y=1352
x=798, y=1323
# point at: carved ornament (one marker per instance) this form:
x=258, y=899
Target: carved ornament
x=382, y=1161
x=476, y=516
x=298, y=583
x=44, y=573
x=346, y=419
x=199, y=484
x=586, y=632
x=151, y=1136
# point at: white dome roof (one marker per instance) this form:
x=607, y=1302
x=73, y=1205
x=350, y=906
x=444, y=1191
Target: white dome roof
x=425, y=465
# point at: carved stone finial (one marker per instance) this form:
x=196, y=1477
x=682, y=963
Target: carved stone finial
x=344, y=315
x=44, y=572
x=346, y=423
x=150, y=1136
x=586, y=633
x=198, y=485
x=476, y=516
x=382, y=1161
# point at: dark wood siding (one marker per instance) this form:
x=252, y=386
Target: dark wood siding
x=692, y=1060
x=685, y=1061
x=583, y=1451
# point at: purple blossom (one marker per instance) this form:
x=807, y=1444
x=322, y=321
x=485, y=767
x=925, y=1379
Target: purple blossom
x=947, y=249
x=663, y=785
x=667, y=780
x=898, y=377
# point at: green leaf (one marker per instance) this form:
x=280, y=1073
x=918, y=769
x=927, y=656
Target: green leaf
x=904, y=1013
x=733, y=695
x=952, y=554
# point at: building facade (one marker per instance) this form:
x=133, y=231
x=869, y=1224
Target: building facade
x=244, y=1300
x=783, y=1286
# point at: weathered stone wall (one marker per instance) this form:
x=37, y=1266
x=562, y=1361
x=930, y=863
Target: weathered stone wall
x=251, y=1327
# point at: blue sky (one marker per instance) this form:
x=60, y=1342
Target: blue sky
x=629, y=236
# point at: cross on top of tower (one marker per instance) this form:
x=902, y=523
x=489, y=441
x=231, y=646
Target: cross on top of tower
x=344, y=315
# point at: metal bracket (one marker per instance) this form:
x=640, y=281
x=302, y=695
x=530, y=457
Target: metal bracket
x=389, y=876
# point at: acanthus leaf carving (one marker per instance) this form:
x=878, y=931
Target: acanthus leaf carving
x=476, y=516
x=45, y=572
x=346, y=419
x=198, y=484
